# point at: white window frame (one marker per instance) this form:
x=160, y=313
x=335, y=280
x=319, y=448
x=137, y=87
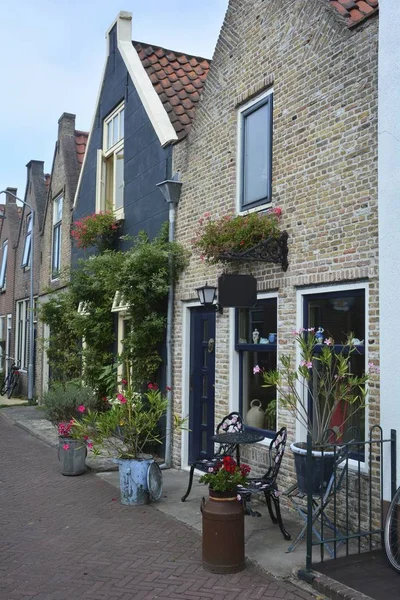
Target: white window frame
x=26, y=256
x=2, y=342
x=22, y=333
x=106, y=154
x=57, y=225
x=301, y=432
x=120, y=307
x=3, y=269
x=234, y=362
x=8, y=341
x=239, y=162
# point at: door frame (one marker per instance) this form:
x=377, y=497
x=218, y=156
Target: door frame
x=185, y=383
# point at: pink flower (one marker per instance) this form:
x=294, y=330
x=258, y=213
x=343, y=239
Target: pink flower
x=81, y=408
x=328, y=342
x=168, y=388
x=202, y=257
x=256, y=370
x=207, y=215
x=89, y=445
x=66, y=446
x=306, y=363
x=152, y=386
x=124, y=382
x=277, y=211
x=85, y=437
x=121, y=398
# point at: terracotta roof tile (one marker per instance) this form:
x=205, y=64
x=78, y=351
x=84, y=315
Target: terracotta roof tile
x=81, y=138
x=355, y=11
x=178, y=80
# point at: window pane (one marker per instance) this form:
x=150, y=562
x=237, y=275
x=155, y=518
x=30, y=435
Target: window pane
x=115, y=129
x=109, y=134
x=121, y=124
x=27, y=251
x=3, y=265
x=56, y=250
x=263, y=318
x=256, y=155
x=109, y=185
x=57, y=210
x=259, y=403
x=119, y=180
x=338, y=316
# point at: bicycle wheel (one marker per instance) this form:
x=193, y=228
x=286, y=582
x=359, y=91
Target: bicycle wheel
x=392, y=532
x=13, y=384
x=5, y=385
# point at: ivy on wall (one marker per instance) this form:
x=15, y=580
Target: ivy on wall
x=82, y=342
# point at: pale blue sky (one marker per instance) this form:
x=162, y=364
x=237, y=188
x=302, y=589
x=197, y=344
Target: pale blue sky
x=52, y=55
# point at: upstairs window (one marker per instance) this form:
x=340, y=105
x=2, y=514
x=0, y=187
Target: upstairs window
x=110, y=165
x=56, y=247
x=255, y=152
x=26, y=257
x=3, y=269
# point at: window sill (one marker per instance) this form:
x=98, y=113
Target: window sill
x=268, y=434
x=119, y=214
x=260, y=208
x=257, y=347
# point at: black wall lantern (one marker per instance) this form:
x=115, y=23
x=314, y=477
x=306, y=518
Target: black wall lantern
x=207, y=295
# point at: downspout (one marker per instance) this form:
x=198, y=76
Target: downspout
x=171, y=190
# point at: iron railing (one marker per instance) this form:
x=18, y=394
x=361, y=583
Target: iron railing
x=345, y=515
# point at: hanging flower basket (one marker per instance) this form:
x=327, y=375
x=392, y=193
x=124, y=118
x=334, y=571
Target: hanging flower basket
x=99, y=229
x=254, y=237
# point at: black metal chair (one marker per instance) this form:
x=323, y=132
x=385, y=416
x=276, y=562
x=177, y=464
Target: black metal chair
x=231, y=423
x=267, y=484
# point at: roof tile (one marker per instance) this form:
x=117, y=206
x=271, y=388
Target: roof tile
x=178, y=80
x=355, y=11
x=81, y=138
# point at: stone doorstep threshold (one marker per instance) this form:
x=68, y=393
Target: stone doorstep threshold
x=332, y=589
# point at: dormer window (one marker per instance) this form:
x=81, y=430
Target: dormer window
x=110, y=165
x=26, y=257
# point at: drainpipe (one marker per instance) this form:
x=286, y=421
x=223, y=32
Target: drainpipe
x=171, y=190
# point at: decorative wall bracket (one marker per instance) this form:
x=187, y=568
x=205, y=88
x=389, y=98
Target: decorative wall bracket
x=273, y=250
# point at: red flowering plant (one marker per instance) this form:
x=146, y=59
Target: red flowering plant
x=131, y=424
x=226, y=475
x=219, y=238
x=99, y=229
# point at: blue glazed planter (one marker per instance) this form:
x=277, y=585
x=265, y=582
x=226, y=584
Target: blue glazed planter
x=133, y=480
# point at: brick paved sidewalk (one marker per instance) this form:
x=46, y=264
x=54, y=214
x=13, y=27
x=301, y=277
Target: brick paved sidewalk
x=68, y=538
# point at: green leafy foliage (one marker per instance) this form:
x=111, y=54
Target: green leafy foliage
x=226, y=475
x=98, y=229
x=62, y=400
x=230, y=234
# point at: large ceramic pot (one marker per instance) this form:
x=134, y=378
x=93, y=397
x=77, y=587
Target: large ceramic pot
x=322, y=469
x=140, y=480
x=72, y=455
x=223, y=533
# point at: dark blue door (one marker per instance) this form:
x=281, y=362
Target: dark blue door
x=202, y=379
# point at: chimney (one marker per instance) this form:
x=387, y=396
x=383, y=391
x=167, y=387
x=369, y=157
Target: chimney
x=10, y=199
x=66, y=125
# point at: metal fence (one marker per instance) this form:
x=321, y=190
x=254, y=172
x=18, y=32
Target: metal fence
x=343, y=506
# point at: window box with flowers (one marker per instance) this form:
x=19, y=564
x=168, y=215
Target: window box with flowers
x=99, y=229
x=253, y=237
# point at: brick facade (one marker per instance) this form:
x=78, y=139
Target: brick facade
x=64, y=177
x=324, y=172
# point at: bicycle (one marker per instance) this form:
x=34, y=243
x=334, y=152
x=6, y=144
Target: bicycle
x=11, y=381
x=391, y=534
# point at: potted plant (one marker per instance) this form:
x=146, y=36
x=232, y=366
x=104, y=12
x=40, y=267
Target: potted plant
x=63, y=405
x=223, y=517
x=99, y=229
x=229, y=237
x=127, y=430
x=322, y=393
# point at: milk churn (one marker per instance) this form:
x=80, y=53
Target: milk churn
x=223, y=533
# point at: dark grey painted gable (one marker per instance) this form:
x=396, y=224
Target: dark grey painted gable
x=145, y=162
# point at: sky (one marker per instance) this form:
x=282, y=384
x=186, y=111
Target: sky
x=53, y=54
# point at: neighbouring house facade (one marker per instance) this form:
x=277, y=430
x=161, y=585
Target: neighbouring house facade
x=288, y=120
x=8, y=236
x=55, y=232
x=35, y=197
x=145, y=108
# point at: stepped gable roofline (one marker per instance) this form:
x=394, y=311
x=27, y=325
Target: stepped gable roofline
x=178, y=78
x=355, y=11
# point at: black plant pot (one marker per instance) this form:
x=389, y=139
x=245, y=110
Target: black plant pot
x=322, y=469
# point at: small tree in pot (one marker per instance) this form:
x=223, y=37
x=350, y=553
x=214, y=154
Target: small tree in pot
x=126, y=430
x=322, y=393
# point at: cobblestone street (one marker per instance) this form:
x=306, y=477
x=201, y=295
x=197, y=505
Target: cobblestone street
x=70, y=538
